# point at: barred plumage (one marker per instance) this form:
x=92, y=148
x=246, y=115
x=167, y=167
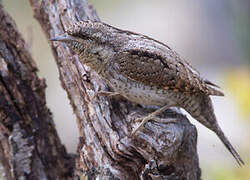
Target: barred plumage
x=145, y=71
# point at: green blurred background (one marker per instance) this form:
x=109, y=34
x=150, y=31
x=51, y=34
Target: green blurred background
x=213, y=35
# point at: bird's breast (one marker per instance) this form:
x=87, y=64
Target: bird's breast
x=137, y=91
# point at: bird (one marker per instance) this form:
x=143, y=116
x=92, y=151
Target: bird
x=145, y=71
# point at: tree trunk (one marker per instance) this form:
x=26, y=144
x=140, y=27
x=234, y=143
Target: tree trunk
x=30, y=146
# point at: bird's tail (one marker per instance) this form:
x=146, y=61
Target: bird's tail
x=228, y=145
x=203, y=111
x=213, y=89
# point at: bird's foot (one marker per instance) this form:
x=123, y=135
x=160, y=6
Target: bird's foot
x=152, y=116
x=105, y=93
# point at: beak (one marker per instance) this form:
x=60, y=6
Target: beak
x=63, y=38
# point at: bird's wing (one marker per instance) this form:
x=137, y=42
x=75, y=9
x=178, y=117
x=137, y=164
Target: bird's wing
x=155, y=70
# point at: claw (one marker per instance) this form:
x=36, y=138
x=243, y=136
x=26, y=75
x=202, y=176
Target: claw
x=147, y=118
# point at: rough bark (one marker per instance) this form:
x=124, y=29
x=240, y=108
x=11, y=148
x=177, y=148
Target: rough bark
x=105, y=151
x=29, y=145
x=166, y=151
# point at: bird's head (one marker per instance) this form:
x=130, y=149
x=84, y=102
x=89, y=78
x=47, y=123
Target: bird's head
x=76, y=37
x=87, y=40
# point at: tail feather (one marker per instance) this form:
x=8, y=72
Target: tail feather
x=214, y=92
x=205, y=115
x=211, y=87
x=228, y=145
x=210, y=83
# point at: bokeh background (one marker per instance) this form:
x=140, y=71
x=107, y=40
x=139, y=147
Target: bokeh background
x=213, y=35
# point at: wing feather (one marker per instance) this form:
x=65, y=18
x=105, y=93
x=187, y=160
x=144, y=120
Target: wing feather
x=172, y=72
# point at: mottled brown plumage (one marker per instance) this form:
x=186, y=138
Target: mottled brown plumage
x=145, y=71
x=173, y=74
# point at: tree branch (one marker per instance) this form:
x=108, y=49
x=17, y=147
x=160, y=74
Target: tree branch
x=29, y=145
